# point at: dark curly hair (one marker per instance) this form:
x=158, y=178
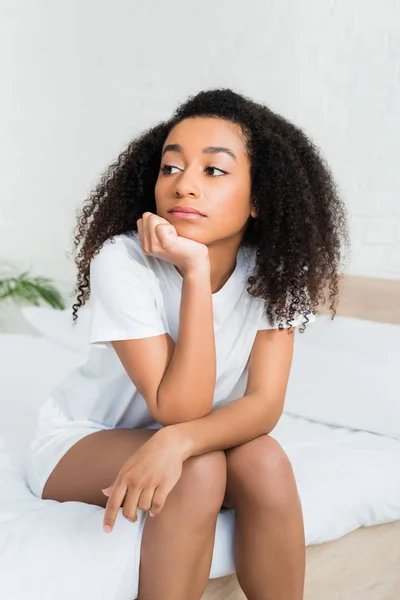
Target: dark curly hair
x=301, y=226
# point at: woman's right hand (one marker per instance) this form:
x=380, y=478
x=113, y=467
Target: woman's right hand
x=147, y=477
x=159, y=238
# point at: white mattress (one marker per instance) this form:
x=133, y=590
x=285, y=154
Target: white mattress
x=49, y=550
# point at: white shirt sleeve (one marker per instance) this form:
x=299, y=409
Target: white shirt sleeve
x=122, y=297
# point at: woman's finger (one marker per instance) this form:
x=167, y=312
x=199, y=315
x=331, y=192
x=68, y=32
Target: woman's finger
x=166, y=235
x=146, y=498
x=146, y=234
x=113, y=505
x=153, y=221
x=108, y=491
x=130, y=504
x=158, y=501
x=139, y=224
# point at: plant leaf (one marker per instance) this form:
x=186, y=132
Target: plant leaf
x=31, y=290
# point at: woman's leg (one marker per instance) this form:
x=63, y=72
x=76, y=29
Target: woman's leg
x=270, y=550
x=177, y=544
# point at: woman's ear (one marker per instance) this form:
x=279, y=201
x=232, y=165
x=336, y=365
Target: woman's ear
x=254, y=212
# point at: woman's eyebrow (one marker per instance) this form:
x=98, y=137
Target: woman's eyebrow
x=208, y=150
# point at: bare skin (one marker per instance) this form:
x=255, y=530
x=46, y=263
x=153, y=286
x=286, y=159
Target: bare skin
x=255, y=479
x=269, y=544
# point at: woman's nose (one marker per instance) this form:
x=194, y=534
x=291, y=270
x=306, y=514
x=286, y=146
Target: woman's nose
x=186, y=185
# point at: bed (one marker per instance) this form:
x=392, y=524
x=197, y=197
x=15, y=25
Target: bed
x=348, y=475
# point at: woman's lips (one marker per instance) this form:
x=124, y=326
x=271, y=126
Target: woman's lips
x=186, y=215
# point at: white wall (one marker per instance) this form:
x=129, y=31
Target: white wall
x=81, y=78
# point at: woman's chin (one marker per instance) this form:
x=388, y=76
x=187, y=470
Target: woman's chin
x=184, y=230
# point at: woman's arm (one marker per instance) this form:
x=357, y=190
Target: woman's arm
x=187, y=389
x=257, y=412
x=178, y=380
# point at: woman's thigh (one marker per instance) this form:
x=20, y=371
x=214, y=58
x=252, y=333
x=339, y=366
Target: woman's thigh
x=92, y=464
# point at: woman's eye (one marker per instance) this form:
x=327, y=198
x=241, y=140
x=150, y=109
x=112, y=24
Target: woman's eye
x=165, y=168
x=216, y=169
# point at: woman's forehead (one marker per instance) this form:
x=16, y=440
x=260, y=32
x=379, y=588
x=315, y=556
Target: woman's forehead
x=196, y=135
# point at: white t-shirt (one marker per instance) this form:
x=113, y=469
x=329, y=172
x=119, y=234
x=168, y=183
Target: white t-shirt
x=134, y=295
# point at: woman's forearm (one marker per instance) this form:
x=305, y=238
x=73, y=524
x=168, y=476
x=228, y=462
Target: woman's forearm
x=238, y=422
x=187, y=389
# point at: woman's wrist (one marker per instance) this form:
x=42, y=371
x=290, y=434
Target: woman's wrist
x=172, y=434
x=196, y=267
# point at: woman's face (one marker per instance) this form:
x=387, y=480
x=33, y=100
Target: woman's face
x=216, y=183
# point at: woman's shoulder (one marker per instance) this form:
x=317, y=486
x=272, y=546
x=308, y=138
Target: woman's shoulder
x=123, y=245
x=119, y=255
x=128, y=243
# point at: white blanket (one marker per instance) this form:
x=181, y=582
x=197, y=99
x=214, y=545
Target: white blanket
x=51, y=550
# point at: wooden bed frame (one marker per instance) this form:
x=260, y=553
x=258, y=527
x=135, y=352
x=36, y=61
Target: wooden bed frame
x=364, y=564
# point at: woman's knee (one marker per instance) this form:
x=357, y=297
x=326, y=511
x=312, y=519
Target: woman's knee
x=203, y=480
x=261, y=472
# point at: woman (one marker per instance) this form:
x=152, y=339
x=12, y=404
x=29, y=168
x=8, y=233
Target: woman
x=205, y=244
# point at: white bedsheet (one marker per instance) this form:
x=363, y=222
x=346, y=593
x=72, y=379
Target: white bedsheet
x=50, y=550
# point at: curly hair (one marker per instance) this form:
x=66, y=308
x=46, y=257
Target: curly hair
x=301, y=225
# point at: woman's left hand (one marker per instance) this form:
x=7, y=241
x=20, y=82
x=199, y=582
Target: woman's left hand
x=147, y=477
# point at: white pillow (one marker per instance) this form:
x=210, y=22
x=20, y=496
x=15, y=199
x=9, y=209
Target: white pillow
x=345, y=372
x=44, y=364
x=57, y=325
x=378, y=343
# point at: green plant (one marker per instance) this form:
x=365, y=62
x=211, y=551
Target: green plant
x=30, y=289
